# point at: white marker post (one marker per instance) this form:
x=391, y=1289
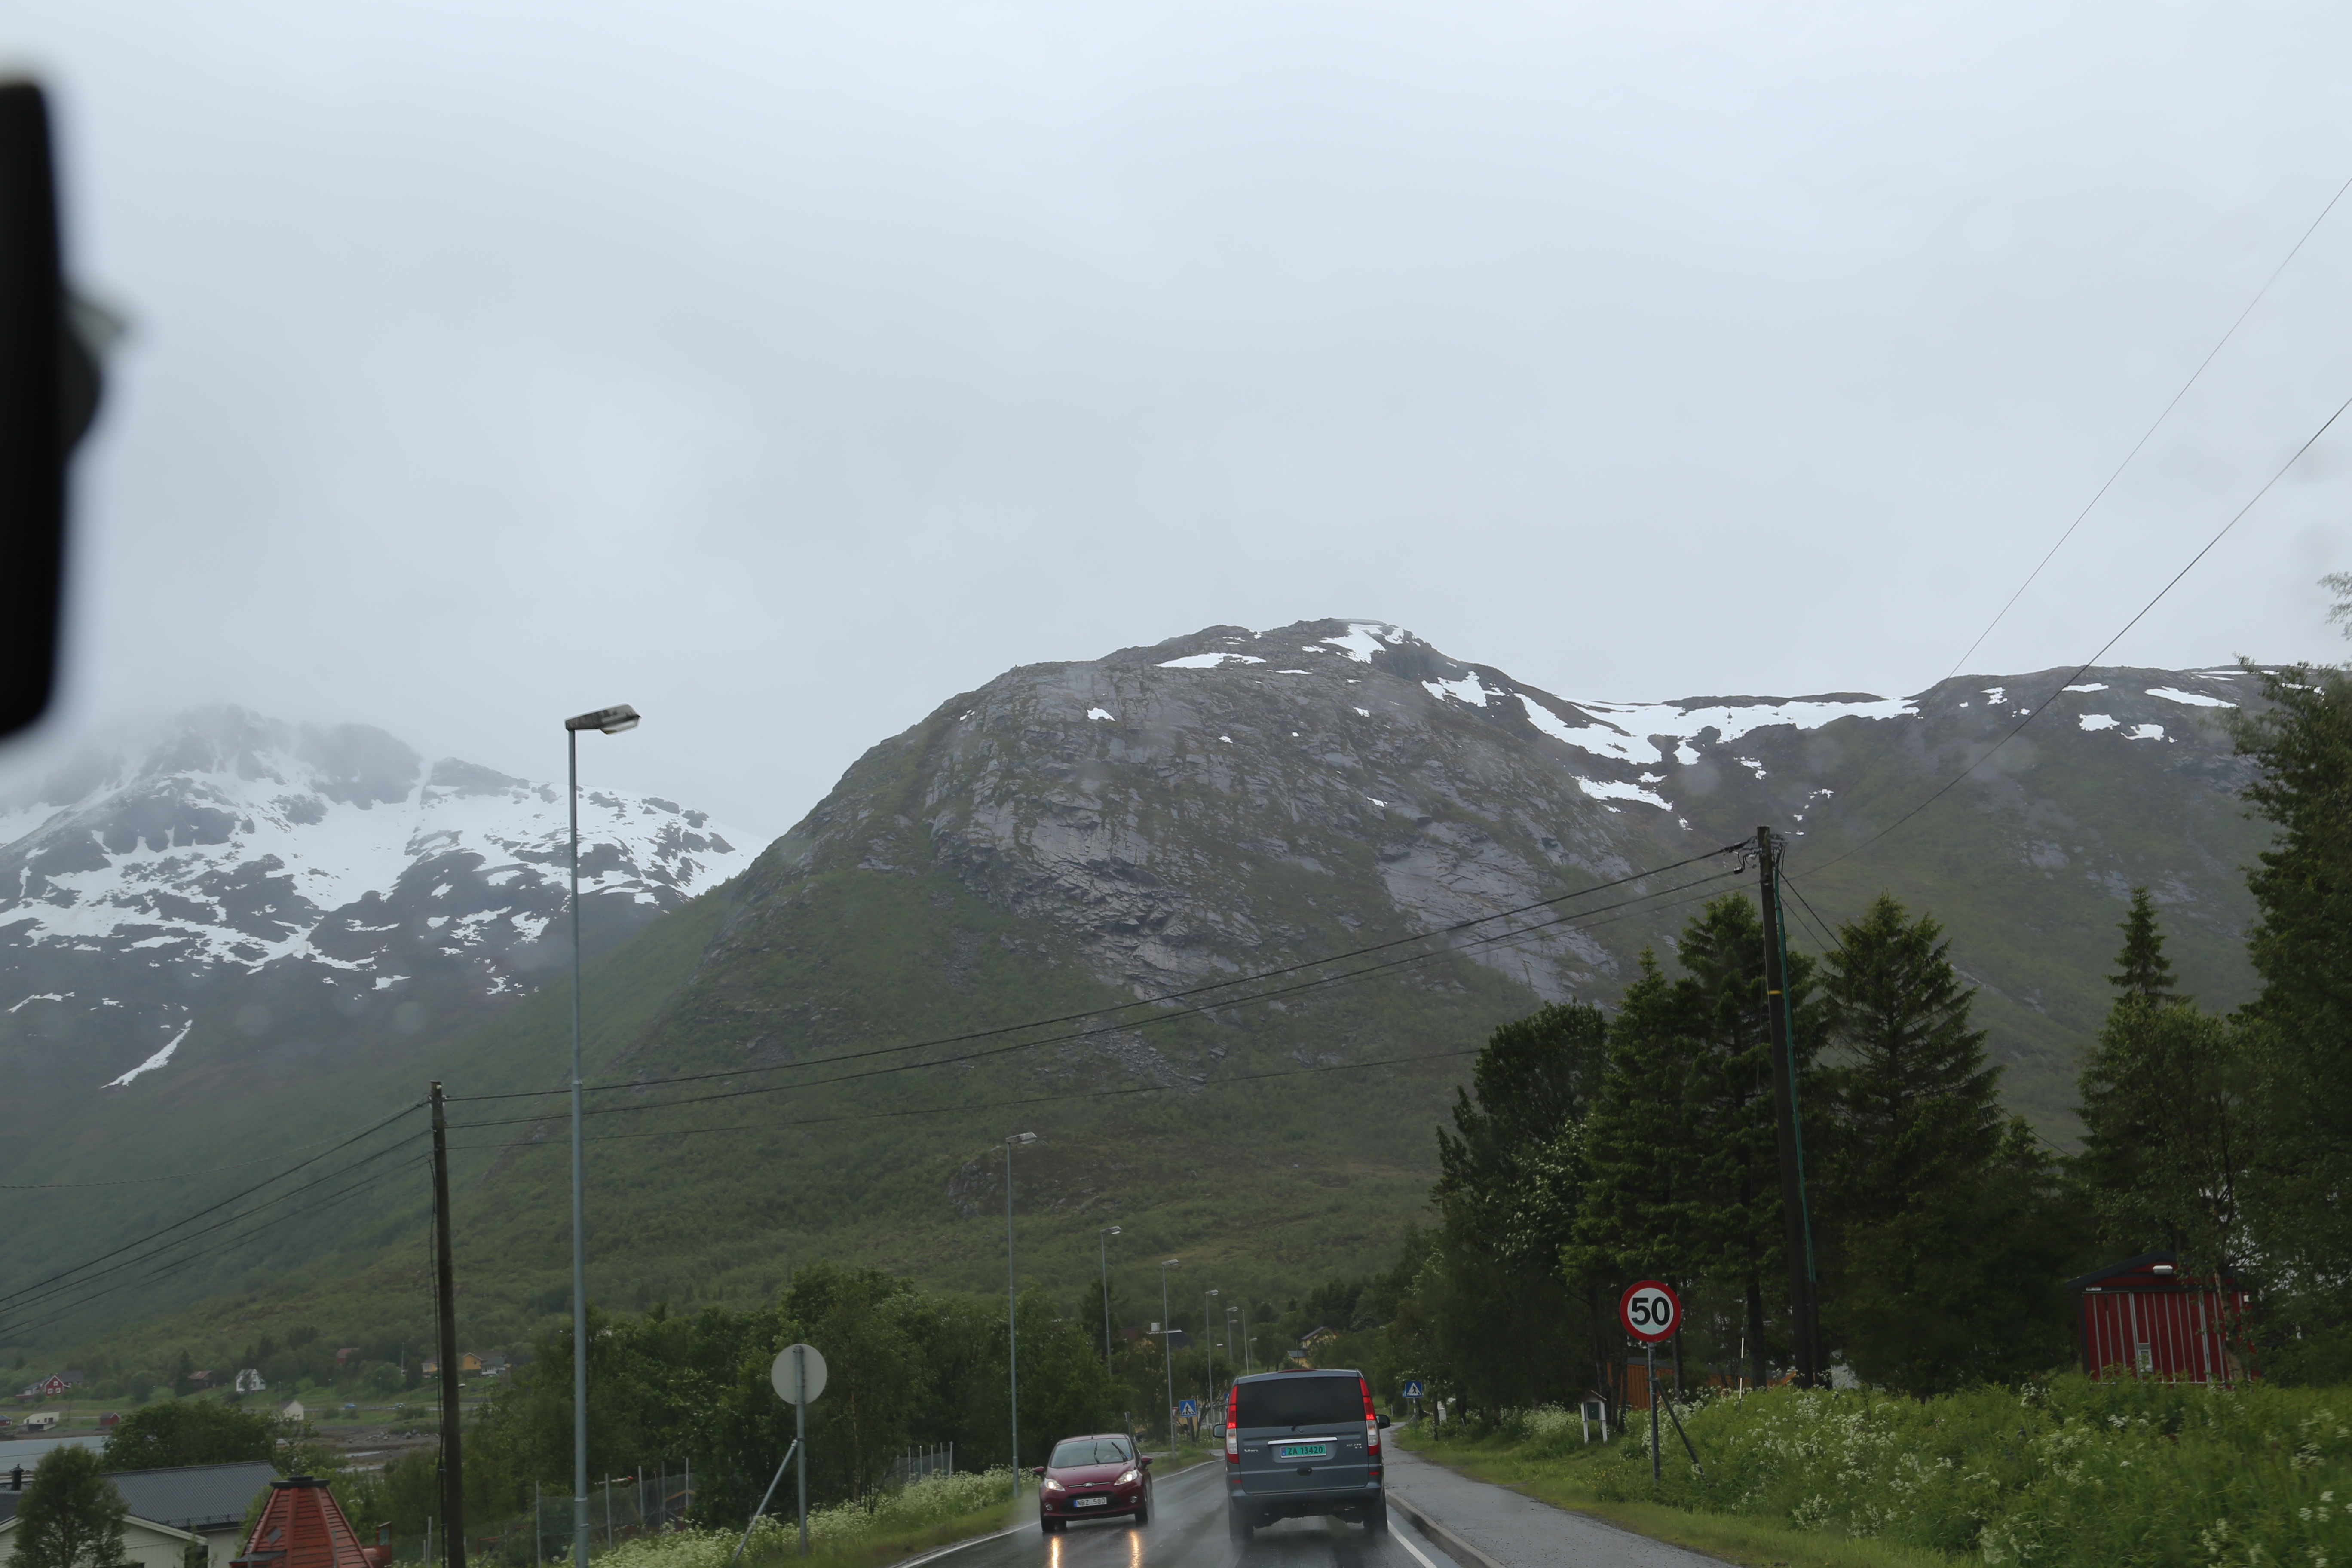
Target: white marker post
x=1649, y=1310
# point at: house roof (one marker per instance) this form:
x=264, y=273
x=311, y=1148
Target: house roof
x=301, y=1527
x=2148, y=1271
x=157, y=1525
x=195, y=1497
x=187, y=1497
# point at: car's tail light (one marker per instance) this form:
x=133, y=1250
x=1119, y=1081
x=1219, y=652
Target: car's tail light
x=1233, y=1424
x=1372, y=1420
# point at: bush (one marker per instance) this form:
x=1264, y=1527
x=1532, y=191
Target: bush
x=2069, y=1472
x=933, y=1500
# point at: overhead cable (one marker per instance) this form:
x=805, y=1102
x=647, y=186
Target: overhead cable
x=1949, y=784
x=2152, y=429
x=1158, y=1002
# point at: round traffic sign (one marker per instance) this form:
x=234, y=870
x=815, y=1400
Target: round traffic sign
x=1649, y=1310
x=786, y=1378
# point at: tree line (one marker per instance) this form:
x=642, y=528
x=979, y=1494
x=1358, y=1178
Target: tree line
x=1592, y=1149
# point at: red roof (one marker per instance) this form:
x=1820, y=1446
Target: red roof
x=301, y=1527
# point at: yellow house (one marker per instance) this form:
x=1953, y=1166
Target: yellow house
x=145, y=1542
x=468, y=1365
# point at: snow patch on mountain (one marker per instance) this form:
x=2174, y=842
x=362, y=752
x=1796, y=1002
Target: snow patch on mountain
x=238, y=841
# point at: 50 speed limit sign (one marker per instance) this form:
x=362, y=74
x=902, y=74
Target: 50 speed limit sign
x=1649, y=1310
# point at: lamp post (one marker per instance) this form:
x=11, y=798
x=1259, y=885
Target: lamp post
x=1168, y=1349
x=1013, y=1306
x=1208, y=1354
x=610, y=721
x=1102, y=1245
x=1230, y=1311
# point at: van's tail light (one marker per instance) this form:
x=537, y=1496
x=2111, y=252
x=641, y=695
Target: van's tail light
x=1372, y=1420
x=1233, y=1424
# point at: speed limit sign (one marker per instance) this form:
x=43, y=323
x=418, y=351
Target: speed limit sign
x=1649, y=1310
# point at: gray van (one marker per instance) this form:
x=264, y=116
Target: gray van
x=1300, y=1443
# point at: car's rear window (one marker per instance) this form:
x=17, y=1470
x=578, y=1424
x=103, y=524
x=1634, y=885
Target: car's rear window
x=1088, y=1451
x=1294, y=1400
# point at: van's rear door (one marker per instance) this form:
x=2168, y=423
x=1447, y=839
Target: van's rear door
x=1301, y=1432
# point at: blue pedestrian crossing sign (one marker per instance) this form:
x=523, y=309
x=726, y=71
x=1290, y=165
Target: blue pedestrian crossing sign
x=1413, y=1388
x=1187, y=1408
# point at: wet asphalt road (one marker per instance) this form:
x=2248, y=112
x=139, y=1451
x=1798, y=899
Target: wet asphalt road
x=1188, y=1530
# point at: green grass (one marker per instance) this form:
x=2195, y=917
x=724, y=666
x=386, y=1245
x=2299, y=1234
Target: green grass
x=2066, y=1474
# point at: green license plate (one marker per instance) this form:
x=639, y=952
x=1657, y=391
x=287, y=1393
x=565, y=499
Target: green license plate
x=1304, y=1451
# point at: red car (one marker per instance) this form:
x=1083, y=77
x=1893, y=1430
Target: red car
x=1092, y=1478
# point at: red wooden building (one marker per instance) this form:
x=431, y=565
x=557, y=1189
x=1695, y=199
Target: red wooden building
x=2144, y=1318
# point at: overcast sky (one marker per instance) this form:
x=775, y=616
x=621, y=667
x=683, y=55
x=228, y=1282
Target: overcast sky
x=784, y=369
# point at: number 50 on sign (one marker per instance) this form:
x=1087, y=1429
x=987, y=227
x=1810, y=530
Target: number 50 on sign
x=1650, y=1310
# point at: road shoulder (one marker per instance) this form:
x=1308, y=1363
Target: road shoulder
x=1515, y=1526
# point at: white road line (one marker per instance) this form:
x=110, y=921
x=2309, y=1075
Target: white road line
x=1418, y=1555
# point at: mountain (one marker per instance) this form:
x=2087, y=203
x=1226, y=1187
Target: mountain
x=312, y=891
x=1039, y=909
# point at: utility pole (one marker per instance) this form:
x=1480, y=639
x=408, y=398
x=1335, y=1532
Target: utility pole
x=444, y=1294
x=1167, y=1349
x=1013, y=1309
x=1102, y=1245
x=1805, y=1320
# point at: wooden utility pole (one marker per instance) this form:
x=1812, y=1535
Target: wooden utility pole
x=1804, y=1319
x=445, y=1295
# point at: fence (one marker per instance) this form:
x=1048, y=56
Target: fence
x=648, y=1501
x=919, y=1464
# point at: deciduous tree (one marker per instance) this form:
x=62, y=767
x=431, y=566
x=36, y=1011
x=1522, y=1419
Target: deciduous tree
x=70, y=1516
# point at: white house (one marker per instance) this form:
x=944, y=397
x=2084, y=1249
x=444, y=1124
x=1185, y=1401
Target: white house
x=145, y=1542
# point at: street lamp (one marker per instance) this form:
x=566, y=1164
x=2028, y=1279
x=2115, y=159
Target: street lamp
x=1013, y=1305
x=1230, y=1311
x=1167, y=1349
x=1102, y=1245
x=1208, y=1354
x=610, y=721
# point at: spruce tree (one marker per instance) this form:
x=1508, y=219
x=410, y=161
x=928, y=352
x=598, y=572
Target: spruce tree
x=1918, y=1103
x=71, y=1516
x=2142, y=970
x=1507, y=1193
x=1682, y=1147
x=2298, y=1030
x=1949, y=1235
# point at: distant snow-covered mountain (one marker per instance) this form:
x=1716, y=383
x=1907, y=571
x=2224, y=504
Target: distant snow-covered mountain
x=145, y=875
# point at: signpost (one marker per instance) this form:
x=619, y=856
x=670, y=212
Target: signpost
x=1188, y=1412
x=798, y=1377
x=1412, y=1391
x=1651, y=1311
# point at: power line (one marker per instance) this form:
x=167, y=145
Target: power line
x=2150, y=431
x=1152, y=1002
x=1820, y=927
x=214, y=1208
x=1949, y=784
x=1221, y=1082
x=174, y=1176
x=59, y=1310
x=1065, y=1039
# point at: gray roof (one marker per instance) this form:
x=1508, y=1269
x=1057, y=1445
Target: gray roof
x=190, y=1497
x=195, y=1497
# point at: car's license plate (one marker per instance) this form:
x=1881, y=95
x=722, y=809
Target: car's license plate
x=1089, y=1502
x=1305, y=1451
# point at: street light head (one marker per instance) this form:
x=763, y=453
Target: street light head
x=1216, y=1292
x=1021, y=1138
x=1110, y=1230
x=1171, y=1263
x=611, y=721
